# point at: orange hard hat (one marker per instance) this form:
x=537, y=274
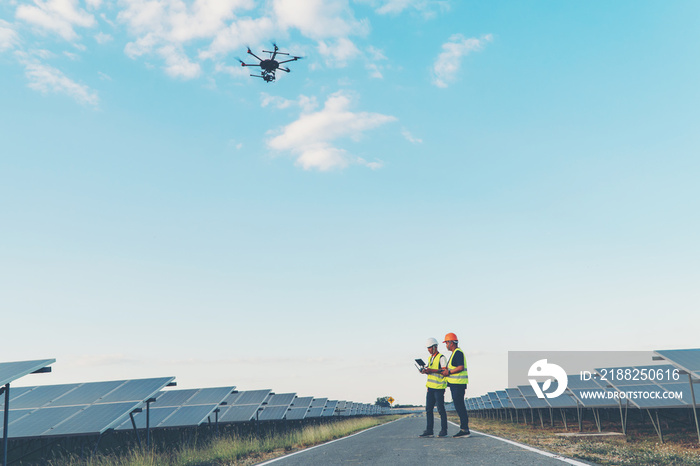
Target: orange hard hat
x=450, y=337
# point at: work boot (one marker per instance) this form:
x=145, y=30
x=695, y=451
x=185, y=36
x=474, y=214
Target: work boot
x=462, y=433
x=426, y=434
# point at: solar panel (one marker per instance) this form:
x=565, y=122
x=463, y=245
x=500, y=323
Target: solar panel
x=516, y=398
x=11, y=371
x=277, y=407
x=319, y=402
x=273, y=413
x=685, y=359
x=299, y=408
x=330, y=408
x=315, y=412
x=106, y=405
x=243, y=406
x=180, y=408
x=494, y=400
x=590, y=394
x=639, y=389
x=531, y=397
x=36, y=397
x=282, y=399
x=242, y=413
x=252, y=397
x=503, y=398
x=302, y=402
x=296, y=413
x=565, y=400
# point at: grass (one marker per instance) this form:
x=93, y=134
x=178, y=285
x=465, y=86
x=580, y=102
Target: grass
x=233, y=449
x=641, y=447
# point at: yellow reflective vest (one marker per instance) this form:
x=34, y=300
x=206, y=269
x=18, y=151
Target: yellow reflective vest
x=459, y=377
x=435, y=380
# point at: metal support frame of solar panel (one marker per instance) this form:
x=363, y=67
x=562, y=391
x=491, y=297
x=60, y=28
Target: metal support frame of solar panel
x=636, y=384
x=243, y=406
x=78, y=409
x=276, y=407
x=535, y=403
x=688, y=361
x=180, y=408
x=599, y=397
x=299, y=408
x=562, y=402
x=330, y=408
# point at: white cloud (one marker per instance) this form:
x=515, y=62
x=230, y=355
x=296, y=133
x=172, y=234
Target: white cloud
x=339, y=53
x=448, y=63
x=375, y=53
x=236, y=71
x=410, y=138
x=47, y=79
x=167, y=27
x=427, y=8
x=238, y=34
x=57, y=16
x=178, y=65
x=103, y=38
x=8, y=36
x=311, y=137
x=319, y=19
x=374, y=71
x=307, y=104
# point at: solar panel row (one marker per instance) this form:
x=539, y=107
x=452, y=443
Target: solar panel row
x=96, y=407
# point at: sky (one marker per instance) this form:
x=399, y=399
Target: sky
x=523, y=174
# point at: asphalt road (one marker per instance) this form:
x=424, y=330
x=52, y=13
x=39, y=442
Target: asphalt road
x=397, y=443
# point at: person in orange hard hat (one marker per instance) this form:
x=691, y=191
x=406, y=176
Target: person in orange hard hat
x=457, y=378
x=435, y=395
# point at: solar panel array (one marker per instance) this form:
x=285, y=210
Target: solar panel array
x=77, y=409
x=675, y=385
x=180, y=408
x=94, y=408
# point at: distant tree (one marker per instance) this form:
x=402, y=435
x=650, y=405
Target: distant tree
x=383, y=401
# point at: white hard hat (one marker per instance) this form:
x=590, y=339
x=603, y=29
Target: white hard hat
x=430, y=342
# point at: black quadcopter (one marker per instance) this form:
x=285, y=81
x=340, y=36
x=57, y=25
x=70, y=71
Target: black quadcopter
x=270, y=65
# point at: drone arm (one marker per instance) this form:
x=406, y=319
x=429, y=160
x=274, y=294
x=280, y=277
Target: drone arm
x=286, y=61
x=284, y=69
x=254, y=55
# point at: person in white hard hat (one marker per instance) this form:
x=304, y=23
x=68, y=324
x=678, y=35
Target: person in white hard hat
x=436, y=389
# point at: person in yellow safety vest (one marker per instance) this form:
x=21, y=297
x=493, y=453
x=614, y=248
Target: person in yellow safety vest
x=436, y=389
x=457, y=379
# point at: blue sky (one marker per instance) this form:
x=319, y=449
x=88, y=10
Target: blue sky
x=523, y=174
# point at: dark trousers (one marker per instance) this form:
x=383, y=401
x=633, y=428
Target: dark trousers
x=435, y=397
x=458, y=391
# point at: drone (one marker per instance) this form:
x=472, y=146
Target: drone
x=270, y=65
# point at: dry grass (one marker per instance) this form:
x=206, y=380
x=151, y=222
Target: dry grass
x=234, y=450
x=641, y=447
